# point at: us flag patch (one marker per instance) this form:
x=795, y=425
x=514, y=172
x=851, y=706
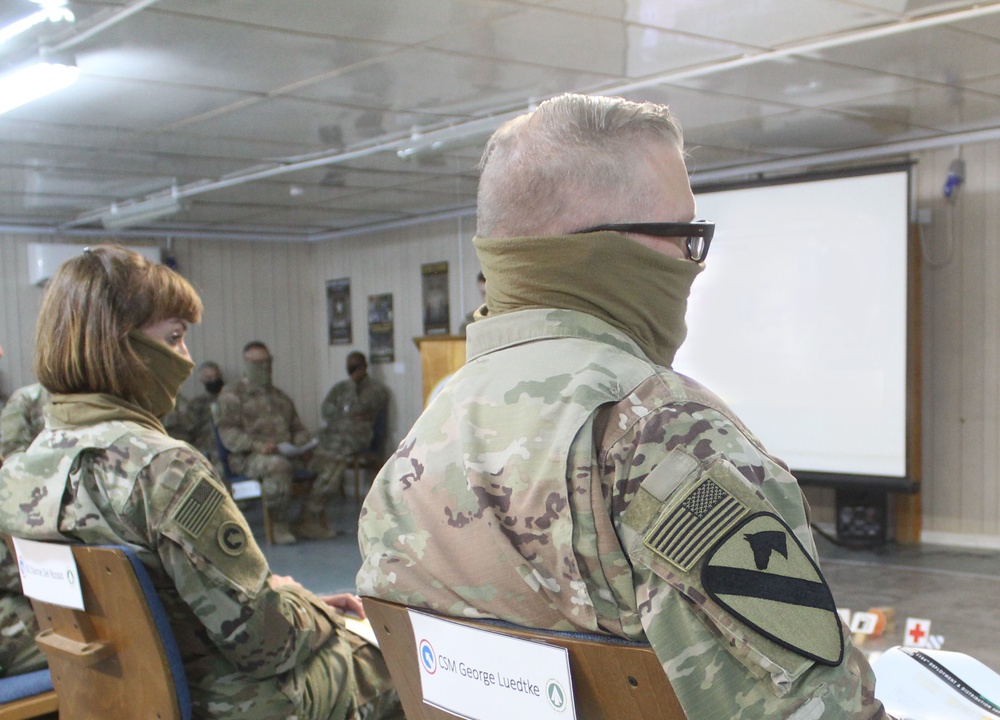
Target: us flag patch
x=197, y=508
x=694, y=524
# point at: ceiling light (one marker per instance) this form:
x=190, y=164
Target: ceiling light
x=138, y=213
x=51, y=11
x=33, y=81
x=435, y=142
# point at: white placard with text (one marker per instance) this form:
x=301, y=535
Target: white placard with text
x=48, y=573
x=483, y=675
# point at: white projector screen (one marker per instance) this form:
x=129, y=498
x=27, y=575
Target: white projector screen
x=799, y=320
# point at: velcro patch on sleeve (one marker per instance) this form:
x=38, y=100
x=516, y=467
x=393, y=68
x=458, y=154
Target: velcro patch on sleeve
x=693, y=523
x=197, y=508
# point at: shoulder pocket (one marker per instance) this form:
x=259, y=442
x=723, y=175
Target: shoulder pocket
x=206, y=523
x=710, y=534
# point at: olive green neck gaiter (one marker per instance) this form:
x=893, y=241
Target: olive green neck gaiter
x=637, y=290
x=166, y=372
x=258, y=373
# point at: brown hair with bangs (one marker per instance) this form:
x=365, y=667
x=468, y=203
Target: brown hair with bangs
x=92, y=303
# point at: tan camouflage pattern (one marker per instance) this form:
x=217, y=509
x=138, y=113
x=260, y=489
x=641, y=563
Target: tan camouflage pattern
x=526, y=490
x=21, y=418
x=349, y=411
x=251, y=649
x=19, y=653
x=178, y=422
x=200, y=413
x=248, y=418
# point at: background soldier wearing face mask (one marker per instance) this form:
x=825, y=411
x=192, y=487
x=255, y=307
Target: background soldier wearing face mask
x=254, y=417
x=200, y=410
x=349, y=411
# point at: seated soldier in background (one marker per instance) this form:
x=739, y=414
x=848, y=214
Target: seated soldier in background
x=256, y=421
x=350, y=411
x=19, y=652
x=21, y=418
x=200, y=410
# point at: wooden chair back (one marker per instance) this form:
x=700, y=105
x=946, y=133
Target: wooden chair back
x=117, y=658
x=612, y=678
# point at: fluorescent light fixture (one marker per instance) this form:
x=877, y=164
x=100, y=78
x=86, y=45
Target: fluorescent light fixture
x=51, y=11
x=138, y=213
x=36, y=80
x=436, y=142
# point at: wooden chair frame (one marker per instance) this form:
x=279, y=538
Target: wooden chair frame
x=118, y=657
x=612, y=677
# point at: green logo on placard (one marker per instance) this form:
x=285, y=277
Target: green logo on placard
x=556, y=695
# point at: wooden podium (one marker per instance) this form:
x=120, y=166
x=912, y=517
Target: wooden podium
x=440, y=356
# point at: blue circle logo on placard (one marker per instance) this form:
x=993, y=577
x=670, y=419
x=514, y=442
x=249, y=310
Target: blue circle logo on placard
x=428, y=660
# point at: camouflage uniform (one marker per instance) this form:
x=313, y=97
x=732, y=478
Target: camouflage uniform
x=562, y=480
x=178, y=422
x=344, y=433
x=18, y=651
x=200, y=412
x=250, y=417
x=250, y=649
x=21, y=419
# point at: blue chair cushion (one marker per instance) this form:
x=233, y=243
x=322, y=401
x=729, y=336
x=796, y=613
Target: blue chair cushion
x=17, y=687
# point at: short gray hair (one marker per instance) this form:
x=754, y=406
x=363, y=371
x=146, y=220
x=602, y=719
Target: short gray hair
x=576, y=160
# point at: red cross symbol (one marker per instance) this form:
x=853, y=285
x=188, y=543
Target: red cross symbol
x=917, y=632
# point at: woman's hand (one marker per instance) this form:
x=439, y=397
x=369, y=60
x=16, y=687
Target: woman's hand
x=345, y=603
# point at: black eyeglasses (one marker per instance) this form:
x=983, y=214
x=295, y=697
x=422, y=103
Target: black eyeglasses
x=699, y=234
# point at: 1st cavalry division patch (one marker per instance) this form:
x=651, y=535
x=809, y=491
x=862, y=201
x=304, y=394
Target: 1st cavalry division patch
x=694, y=524
x=760, y=573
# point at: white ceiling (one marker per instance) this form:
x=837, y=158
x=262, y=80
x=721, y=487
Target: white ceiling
x=283, y=118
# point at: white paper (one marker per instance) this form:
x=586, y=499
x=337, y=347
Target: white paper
x=961, y=689
x=292, y=450
x=361, y=628
x=49, y=573
x=483, y=675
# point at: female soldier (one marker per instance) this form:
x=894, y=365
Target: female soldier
x=110, y=347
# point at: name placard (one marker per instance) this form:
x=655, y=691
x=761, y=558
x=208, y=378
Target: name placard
x=48, y=573
x=483, y=675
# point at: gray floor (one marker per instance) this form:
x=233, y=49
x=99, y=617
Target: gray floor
x=957, y=590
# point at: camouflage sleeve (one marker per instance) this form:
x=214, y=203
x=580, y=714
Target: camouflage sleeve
x=729, y=593
x=331, y=410
x=16, y=432
x=300, y=436
x=220, y=573
x=231, y=427
x=18, y=651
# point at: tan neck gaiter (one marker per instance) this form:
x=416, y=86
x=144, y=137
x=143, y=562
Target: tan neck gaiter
x=635, y=289
x=166, y=372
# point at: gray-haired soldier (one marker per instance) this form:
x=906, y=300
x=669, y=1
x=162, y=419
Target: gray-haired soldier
x=567, y=478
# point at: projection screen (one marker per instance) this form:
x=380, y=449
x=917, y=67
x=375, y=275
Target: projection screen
x=799, y=321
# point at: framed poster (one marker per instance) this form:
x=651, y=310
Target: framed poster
x=435, y=296
x=381, y=347
x=338, y=311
